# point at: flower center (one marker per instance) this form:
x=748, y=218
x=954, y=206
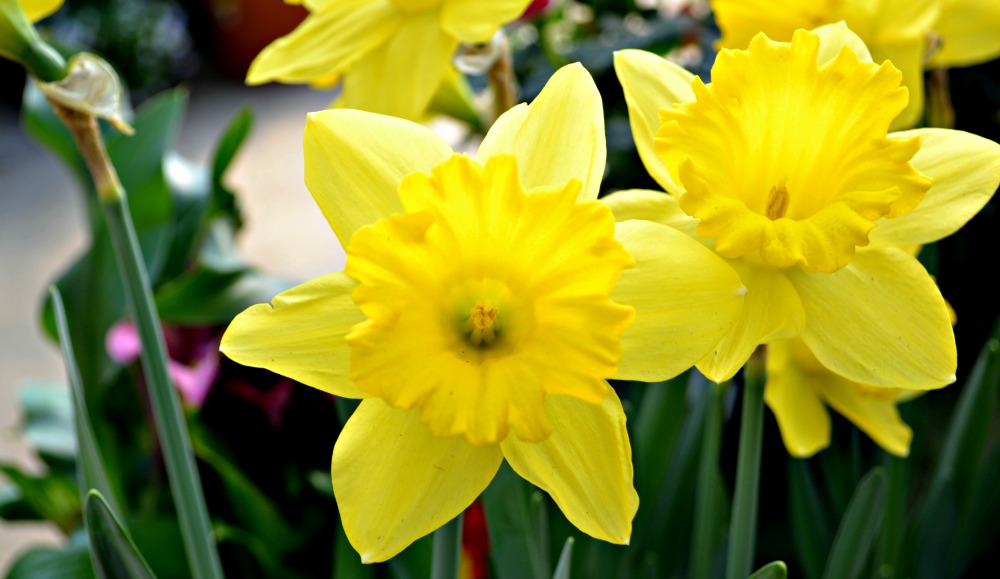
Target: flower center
x=482, y=299
x=787, y=161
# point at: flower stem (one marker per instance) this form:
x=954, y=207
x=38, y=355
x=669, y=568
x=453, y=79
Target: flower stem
x=178, y=455
x=743, y=527
x=705, y=528
x=447, y=550
x=502, y=80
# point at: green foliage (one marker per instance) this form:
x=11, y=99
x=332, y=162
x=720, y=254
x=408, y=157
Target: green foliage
x=112, y=550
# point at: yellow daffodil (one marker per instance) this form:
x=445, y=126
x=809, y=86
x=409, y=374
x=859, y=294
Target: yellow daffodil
x=799, y=389
x=956, y=32
x=483, y=305
x=38, y=9
x=392, y=54
x=784, y=166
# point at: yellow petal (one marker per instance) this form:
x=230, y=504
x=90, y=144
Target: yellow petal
x=686, y=299
x=894, y=20
x=741, y=20
x=355, y=162
x=968, y=31
x=881, y=320
x=876, y=416
x=651, y=83
x=35, y=10
x=908, y=57
x=653, y=206
x=399, y=78
x=792, y=397
x=834, y=37
x=395, y=483
x=965, y=170
x=586, y=465
x=559, y=137
x=327, y=41
x=772, y=310
x=300, y=334
x=476, y=21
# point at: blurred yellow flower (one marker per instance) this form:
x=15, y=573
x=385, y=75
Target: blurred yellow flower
x=38, y=9
x=784, y=166
x=392, y=54
x=483, y=305
x=954, y=32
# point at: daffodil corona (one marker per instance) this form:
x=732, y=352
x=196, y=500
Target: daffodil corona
x=949, y=32
x=392, y=55
x=784, y=166
x=483, y=306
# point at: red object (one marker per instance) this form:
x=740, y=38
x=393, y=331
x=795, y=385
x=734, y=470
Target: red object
x=476, y=541
x=535, y=9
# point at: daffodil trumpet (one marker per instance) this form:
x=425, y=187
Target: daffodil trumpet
x=784, y=166
x=484, y=303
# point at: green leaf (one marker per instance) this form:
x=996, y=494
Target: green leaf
x=858, y=528
x=565, y=560
x=71, y=562
x=48, y=419
x=159, y=539
x=111, y=548
x=516, y=547
x=93, y=472
x=52, y=497
x=773, y=570
x=655, y=429
x=229, y=144
x=811, y=529
x=206, y=297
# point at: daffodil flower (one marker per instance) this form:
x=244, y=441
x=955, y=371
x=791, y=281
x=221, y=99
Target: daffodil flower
x=483, y=305
x=391, y=54
x=954, y=32
x=783, y=166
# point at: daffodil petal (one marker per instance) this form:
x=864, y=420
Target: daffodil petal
x=300, y=334
x=327, y=41
x=558, y=137
x=400, y=77
x=903, y=19
x=877, y=417
x=477, y=20
x=686, y=299
x=965, y=169
x=834, y=37
x=908, y=57
x=35, y=10
x=586, y=465
x=653, y=206
x=395, y=483
x=968, y=30
x=771, y=311
x=802, y=418
x=651, y=83
x=356, y=160
x=881, y=320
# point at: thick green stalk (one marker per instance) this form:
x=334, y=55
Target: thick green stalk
x=705, y=524
x=743, y=529
x=447, y=550
x=185, y=484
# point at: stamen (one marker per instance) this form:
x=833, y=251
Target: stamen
x=777, y=202
x=483, y=317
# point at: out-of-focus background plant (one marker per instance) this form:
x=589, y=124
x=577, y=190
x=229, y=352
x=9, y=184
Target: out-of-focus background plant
x=263, y=443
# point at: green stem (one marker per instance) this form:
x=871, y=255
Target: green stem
x=705, y=529
x=743, y=529
x=447, y=550
x=178, y=455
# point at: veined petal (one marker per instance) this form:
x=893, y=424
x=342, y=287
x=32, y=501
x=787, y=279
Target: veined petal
x=965, y=170
x=654, y=206
x=877, y=416
x=355, y=162
x=792, y=397
x=771, y=311
x=300, y=334
x=35, y=10
x=686, y=299
x=558, y=137
x=394, y=482
x=399, y=77
x=326, y=41
x=908, y=56
x=968, y=31
x=477, y=20
x=881, y=320
x=651, y=83
x=586, y=465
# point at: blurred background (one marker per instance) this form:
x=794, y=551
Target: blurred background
x=205, y=46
